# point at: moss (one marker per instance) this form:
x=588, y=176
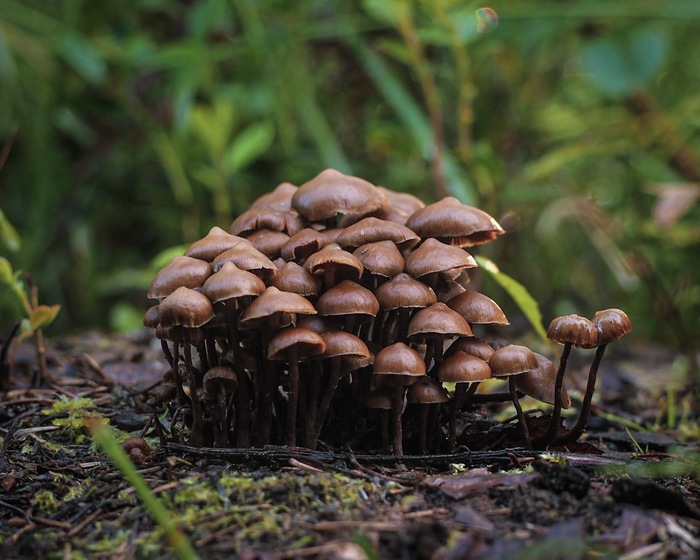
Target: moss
x=46, y=502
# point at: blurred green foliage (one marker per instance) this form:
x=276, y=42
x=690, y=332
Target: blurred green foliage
x=127, y=127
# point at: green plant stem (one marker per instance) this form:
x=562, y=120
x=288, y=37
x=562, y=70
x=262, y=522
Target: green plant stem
x=103, y=437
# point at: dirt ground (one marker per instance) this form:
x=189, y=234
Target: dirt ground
x=629, y=490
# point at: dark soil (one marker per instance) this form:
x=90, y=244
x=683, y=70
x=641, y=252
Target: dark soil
x=621, y=493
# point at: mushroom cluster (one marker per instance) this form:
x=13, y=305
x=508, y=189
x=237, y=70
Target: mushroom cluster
x=339, y=311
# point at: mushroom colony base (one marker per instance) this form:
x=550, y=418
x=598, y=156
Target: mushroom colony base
x=340, y=312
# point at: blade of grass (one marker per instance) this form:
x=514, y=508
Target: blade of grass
x=104, y=438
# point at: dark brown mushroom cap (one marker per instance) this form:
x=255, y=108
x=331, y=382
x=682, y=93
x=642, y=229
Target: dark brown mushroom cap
x=182, y=271
x=274, y=301
x=477, y=308
x=573, y=329
x=351, y=349
x=247, y=257
x=370, y=229
x=303, y=244
x=438, y=320
x=230, y=282
x=346, y=265
x=539, y=382
x=296, y=342
x=276, y=217
x=212, y=244
x=348, y=298
x=381, y=258
x=512, y=359
x=280, y=197
x=185, y=308
x=404, y=291
x=398, y=359
x=461, y=367
x=426, y=391
x=453, y=222
x=400, y=206
x=150, y=318
x=611, y=324
x=472, y=345
x=216, y=379
x=267, y=241
x=434, y=256
x=331, y=193
x=294, y=278
x=316, y=323
x=380, y=398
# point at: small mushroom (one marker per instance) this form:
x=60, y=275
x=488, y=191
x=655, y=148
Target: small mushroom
x=427, y=393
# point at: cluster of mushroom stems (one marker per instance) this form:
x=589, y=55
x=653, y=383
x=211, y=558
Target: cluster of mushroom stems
x=340, y=312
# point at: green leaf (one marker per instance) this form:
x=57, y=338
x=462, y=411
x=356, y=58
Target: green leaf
x=522, y=298
x=622, y=64
x=7, y=275
x=82, y=56
x=8, y=234
x=249, y=145
x=42, y=316
x=388, y=11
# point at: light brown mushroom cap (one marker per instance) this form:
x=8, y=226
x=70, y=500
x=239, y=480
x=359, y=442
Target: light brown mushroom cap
x=212, y=244
x=398, y=359
x=573, y=329
x=268, y=241
x=185, y=308
x=351, y=349
x=404, y=291
x=611, y=324
x=331, y=193
x=230, y=282
x=348, y=298
x=477, y=308
x=426, y=391
x=292, y=277
x=182, y=271
x=381, y=258
x=539, y=382
x=346, y=265
x=434, y=256
x=371, y=229
x=513, y=359
x=305, y=343
x=247, y=257
x=438, y=320
x=453, y=222
x=471, y=345
x=274, y=301
x=461, y=367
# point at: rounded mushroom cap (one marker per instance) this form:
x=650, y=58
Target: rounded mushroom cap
x=351, y=349
x=315, y=323
x=348, y=298
x=380, y=398
x=182, y=271
x=438, y=320
x=461, y=367
x=295, y=343
x=292, y=277
x=371, y=229
x=275, y=216
x=478, y=308
x=427, y=391
x=303, y=244
x=399, y=206
x=434, y=256
x=381, y=258
x=230, y=282
x=185, y=308
x=512, y=360
x=331, y=193
x=346, y=265
x=273, y=301
x=539, y=382
x=212, y=244
x=404, y=291
x=216, y=379
x=573, y=329
x=399, y=359
x=150, y=318
x=269, y=242
x=247, y=257
x=453, y=222
x=280, y=197
x=473, y=346
x=611, y=324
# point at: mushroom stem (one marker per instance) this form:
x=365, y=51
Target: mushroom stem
x=553, y=431
x=384, y=419
x=242, y=418
x=166, y=352
x=519, y=411
x=457, y=400
x=574, y=433
x=196, y=432
x=293, y=398
x=325, y=404
x=423, y=423
x=396, y=411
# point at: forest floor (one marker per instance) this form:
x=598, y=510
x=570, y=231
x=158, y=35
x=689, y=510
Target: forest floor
x=630, y=489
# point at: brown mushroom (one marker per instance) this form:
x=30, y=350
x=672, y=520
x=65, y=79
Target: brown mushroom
x=427, y=393
x=476, y=308
x=371, y=229
x=333, y=264
x=182, y=271
x=381, y=259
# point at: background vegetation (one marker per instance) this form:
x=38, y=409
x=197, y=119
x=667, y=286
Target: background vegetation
x=128, y=127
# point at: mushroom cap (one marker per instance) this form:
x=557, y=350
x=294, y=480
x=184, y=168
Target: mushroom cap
x=399, y=206
x=461, y=367
x=295, y=343
x=346, y=265
x=182, y=271
x=230, y=282
x=217, y=378
x=292, y=277
x=611, y=324
x=438, y=320
x=351, y=349
x=185, y=307
x=381, y=397
x=348, y=298
x=404, y=291
x=275, y=216
x=539, y=382
x=434, y=256
x=212, y=244
x=472, y=345
x=331, y=193
x=398, y=359
x=371, y=229
x=512, y=359
x=573, y=329
x=453, y=222
x=381, y=258
x=247, y=257
x=303, y=244
x=477, y=308
x=427, y=391
x=150, y=318
x=269, y=242
x=280, y=197
x=315, y=323
x=274, y=301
